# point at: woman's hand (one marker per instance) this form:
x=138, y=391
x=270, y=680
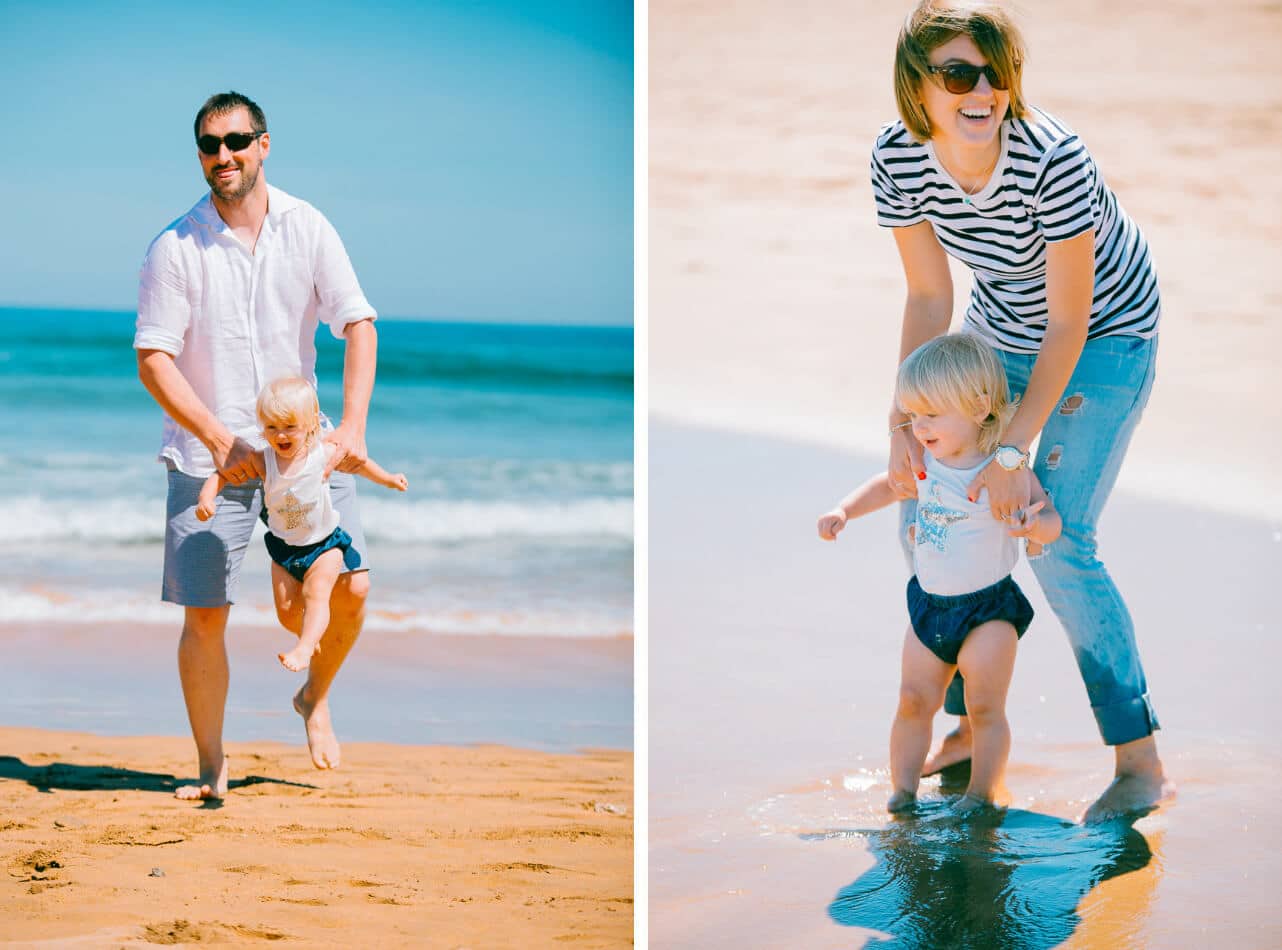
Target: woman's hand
x=1008, y=492
x=905, y=467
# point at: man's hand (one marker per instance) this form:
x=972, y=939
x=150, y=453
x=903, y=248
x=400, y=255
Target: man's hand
x=1008, y=492
x=238, y=461
x=350, y=454
x=831, y=523
x=205, y=508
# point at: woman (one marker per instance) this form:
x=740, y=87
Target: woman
x=1065, y=290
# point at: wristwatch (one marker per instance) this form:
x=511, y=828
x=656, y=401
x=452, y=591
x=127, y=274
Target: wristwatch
x=1011, y=457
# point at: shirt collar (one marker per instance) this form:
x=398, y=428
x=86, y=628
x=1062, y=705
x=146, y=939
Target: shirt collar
x=278, y=203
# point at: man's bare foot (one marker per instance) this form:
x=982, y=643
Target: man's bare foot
x=320, y=732
x=901, y=801
x=954, y=750
x=298, y=658
x=210, y=785
x=1133, y=794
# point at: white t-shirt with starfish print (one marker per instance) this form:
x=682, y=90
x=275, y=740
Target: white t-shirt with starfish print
x=959, y=547
x=299, y=511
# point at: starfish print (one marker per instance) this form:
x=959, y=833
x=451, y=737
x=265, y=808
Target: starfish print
x=295, y=514
x=933, y=520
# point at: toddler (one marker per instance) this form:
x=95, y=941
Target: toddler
x=307, y=545
x=965, y=609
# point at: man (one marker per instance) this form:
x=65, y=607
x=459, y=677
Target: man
x=229, y=299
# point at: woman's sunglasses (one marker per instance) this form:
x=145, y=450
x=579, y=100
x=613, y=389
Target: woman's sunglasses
x=210, y=144
x=961, y=78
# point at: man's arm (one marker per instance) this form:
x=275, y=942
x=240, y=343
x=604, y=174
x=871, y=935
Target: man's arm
x=234, y=458
x=360, y=359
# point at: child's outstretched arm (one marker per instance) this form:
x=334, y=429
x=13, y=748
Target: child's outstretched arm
x=381, y=476
x=872, y=495
x=207, y=502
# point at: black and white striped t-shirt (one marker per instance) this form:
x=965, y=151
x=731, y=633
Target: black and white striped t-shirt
x=1045, y=188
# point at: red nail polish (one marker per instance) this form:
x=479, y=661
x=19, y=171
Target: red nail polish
x=968, y=498
x=921, y=476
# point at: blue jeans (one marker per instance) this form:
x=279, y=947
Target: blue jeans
x=1078, y=457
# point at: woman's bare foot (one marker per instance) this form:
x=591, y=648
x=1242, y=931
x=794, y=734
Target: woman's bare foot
x=954, y=750
x=212, y=784
x=1139, y=784
x=320, y=732
x=298, y=659
x=1132, y=794
x=901, y=801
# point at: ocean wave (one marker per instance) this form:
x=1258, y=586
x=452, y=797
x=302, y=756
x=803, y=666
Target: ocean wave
x=45, y=605
x=32, y=519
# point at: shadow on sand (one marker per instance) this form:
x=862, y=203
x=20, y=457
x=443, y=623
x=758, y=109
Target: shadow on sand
x=63, y=776
x=1010, y=879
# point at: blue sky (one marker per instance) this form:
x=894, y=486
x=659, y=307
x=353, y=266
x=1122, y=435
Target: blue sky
x=476, y=158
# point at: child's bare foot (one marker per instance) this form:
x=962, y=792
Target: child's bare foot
x=954, y=750
x=320, y=732
x=212, y=784
x=901, y=801
x=968, y=804
x=298, y=658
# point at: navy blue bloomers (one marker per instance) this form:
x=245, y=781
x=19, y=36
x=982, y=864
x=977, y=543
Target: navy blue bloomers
x=297, y=560
x=942, y=622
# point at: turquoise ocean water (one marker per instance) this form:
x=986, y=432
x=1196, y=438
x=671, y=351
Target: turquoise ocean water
x=517, y=441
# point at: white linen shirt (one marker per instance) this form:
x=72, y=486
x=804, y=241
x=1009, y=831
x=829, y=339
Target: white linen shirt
x=234, y=321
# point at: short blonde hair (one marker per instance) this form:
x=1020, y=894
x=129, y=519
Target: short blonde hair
x=958, y=372
x=290, y=400
x=932, y=24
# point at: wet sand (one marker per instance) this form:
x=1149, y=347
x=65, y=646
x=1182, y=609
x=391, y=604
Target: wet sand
x=774, y=674
x=404, y=846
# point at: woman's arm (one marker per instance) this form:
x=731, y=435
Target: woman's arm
x=928, y=310
x=1070, y=287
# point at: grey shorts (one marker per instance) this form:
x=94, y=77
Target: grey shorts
x=203, y=558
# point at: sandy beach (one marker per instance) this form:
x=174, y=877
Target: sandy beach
x=775, y=298
x=774, y=321
x=484, y=799
x=405, y=846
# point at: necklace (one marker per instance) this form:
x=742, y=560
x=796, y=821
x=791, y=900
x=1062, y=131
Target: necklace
x=968, y=193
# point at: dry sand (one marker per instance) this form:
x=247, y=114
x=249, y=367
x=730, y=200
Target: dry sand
x=775, y=298
x=405, y=846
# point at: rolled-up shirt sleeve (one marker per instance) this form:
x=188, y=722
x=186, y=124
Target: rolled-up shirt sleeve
x=164, y=312
x=341, y=300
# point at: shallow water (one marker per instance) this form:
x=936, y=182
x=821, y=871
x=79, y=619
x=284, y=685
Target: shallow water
x=773, y=676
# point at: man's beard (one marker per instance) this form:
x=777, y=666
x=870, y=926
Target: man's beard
x=226, y=193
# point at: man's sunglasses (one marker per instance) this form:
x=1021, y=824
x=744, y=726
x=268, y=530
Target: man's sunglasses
x=961, y=78
x=210, y=144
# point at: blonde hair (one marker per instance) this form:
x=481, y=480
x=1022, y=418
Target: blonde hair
x=290, y=400
x=932, y=24
x=958, y=372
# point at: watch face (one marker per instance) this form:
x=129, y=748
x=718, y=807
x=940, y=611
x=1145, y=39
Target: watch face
x=1009, y=457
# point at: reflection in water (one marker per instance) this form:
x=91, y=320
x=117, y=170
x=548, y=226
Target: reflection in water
x=995, y=880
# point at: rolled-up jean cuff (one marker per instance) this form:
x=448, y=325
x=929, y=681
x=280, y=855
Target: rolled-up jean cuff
x=1126, y=721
